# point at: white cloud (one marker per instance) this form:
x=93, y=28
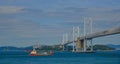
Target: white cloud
x=74, y=14
x=11, y=9
x=16, y=28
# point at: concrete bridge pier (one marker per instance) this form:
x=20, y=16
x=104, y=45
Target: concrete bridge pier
x=79, y=45
x=82, y=46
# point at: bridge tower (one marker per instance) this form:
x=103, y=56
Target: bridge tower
x=91, y=31
x=88, y=30
x=84, y=35
x=81, y=45
x=64, y=40
x=75, y=37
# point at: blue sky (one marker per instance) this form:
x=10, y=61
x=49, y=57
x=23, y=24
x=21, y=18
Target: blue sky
x=28, y=22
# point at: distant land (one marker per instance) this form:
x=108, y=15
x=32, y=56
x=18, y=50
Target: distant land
x=117, y=47
x=58, y=48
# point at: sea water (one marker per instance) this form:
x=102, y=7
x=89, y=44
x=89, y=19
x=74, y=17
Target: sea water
x=20, y=57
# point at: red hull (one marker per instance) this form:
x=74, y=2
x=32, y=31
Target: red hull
x=51, y=53
x=41, y=54
x=33, y=54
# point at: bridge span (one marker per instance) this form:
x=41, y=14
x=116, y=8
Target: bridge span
x=99, y=34
x=81, y=42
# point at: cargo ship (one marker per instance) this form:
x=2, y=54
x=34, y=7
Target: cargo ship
x=35, y=52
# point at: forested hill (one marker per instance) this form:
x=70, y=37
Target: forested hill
x=58, y=48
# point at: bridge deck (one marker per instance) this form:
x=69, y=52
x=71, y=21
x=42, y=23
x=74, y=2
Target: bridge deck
x=100, y=34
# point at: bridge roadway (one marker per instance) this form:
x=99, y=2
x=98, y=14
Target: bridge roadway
x=99, y=34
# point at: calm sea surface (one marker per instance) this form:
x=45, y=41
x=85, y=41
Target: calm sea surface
x=19, y=57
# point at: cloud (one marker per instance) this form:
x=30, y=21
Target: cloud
x=75, y=9
x=76, y=14
x=68, y=16
x=17, y=9
x=16, y=28
x=15, y=31
x=73, y=16
x=11, y=9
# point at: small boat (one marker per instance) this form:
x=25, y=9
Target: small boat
x=35, y=52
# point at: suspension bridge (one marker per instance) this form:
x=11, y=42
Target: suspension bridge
x=80, y=43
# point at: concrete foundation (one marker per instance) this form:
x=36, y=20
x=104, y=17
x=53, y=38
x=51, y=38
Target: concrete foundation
x=79, y=45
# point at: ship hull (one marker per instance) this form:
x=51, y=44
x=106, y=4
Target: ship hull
x=41, y=53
